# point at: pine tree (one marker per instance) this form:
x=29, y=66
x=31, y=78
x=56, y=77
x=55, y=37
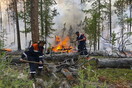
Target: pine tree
x=93, y=23
x=17, y=25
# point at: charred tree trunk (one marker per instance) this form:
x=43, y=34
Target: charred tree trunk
x=34, y=20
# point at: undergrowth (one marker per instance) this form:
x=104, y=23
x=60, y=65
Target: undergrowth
x=9, y=77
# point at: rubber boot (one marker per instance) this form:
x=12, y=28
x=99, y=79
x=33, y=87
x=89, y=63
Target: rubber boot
x=32, y=76
x=39, y=72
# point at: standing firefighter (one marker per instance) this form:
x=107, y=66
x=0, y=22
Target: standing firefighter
x=81, y=43
x=34, y=53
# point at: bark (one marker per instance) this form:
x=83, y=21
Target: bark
x=130, y=15
x=8, y=15
x=34, y=20
x=62, y=57
x=115, y=63
x=25, y=24
x=66, y=58
x=99, y=25
x=110, y=19
x=17, y=25
x=0, y=17
x=42, y=24
x=68, y=74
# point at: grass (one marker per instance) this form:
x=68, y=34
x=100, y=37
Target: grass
x=9, y=77
x=92, y=77
x=114, y=75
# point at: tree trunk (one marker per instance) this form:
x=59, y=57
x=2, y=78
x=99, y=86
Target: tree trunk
x=0, y=17
x=99, y=26
x=110, y=26
x=46, y=32
x=130, y=15
x=122, y=29
x=24, y=20
x=17, y=25
x=8, y=14
x=42, y=25
x=34, y=21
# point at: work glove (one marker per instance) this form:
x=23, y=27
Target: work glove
x=40, y=62
x=41, y=56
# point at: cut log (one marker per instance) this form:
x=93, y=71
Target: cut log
x=115, y=63
x=68, y=74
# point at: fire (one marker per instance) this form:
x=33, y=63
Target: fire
x=62, y=45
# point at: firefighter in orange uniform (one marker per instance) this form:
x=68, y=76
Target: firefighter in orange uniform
x=34, y=53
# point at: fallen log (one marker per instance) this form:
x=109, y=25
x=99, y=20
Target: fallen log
x=115, y=63
x=58, y=57
x=61, y=57
x=114, y=54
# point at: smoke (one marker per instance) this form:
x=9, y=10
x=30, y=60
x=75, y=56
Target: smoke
x=69, y=18
x=70, y=13
x=116, y=28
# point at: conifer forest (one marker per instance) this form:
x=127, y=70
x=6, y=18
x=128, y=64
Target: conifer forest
x=65, y=43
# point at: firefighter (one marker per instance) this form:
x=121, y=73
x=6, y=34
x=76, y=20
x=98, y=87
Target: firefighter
x=81, y=43
x=34, y=53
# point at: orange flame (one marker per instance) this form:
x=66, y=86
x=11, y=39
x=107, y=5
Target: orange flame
x=62, y=46
x=9, y=50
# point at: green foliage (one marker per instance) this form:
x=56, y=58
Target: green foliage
x=47, y=16
x=83, y=1
x=9, y=77
x=120, y=9
x=128, y=20
x=89, y=79
x=93, y=23
x=1, y=44
x=25, y=15
x=2, y=39
x=91, y=27
x=113, y=38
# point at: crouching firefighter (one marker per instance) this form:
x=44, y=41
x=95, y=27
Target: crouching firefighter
x=34, y=54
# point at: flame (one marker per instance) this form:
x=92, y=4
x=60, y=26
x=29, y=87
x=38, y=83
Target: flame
x=62, y=46
x=57, y=39
x=9, y=50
